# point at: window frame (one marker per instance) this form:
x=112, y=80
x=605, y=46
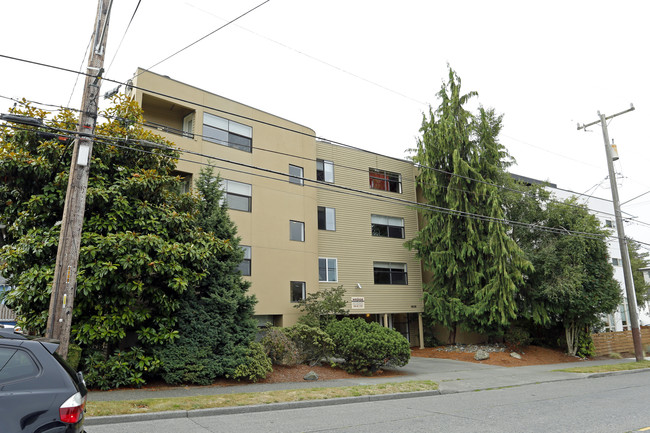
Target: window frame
x=385, y=180
x=234, y=131
x=326, y=222
x=295, y=178
x=323, y=174
x=393, y=271
x=390, y=229
x=303, y=290
x=327, y=269
x=302, y=225
x=247, y=262
x=227, y=194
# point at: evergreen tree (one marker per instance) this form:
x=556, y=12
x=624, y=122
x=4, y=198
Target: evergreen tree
x=217, y=317
x=639, y=260
x=475, y=266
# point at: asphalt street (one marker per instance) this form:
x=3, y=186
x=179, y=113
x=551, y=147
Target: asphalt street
x=616, y=403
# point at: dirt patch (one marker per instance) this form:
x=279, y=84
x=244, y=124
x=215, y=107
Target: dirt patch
x=531, y=355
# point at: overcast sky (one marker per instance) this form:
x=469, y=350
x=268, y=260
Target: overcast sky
x=362, y=72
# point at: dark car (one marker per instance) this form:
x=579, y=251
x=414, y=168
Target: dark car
x=39, y=391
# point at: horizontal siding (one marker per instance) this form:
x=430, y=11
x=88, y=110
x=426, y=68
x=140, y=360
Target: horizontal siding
x=353, y=245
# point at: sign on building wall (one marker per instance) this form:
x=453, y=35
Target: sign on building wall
x=358, y=302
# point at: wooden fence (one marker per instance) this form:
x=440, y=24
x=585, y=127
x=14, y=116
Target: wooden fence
x=619, y=342
x=6, y=314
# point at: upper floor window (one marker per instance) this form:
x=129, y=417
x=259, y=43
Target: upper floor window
x=298, y=291
x=238, y=195
x=390, y=273
x=324, y=170
x=610, y=223
x=227, y=132
x=617, y=262
x=188, y=126
x=297, y=231
x=245, y=265
x=295, y=174
x=326, y=218
x=327, y=270
x=385, y=180
x=388, y=227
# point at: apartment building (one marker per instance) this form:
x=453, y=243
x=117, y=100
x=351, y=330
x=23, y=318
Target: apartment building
x=311, y=214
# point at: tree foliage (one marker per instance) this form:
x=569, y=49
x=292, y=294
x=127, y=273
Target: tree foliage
x=639, y=260
x=476, y=268
x=321, y=307
x=144, y=252
x=573, y=281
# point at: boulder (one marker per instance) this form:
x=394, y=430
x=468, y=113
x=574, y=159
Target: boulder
x=311, y=376
x=481, y=355
x=515, y=355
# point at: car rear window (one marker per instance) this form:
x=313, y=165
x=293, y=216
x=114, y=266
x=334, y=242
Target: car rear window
x=16, y=364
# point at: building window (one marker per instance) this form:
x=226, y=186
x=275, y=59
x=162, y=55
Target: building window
x=617, y=262
x=387, y=227
x=297, y=231
x=327, y=270
x=245, y=265
x=298, y=291
x=390, y=273
x=188, y=126
x=610, y=224
x=326, y=218
x=295, y=174
x=622, y=309
x=238, y=195
x=324, y=170
x=228, y=133
x=385, y=180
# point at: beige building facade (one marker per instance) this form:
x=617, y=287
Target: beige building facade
x=311, y=214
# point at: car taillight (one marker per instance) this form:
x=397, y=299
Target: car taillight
x=72, y=410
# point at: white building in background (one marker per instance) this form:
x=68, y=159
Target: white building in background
x=603, y=209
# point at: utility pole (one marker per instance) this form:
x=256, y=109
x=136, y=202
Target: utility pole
x=64, y=287
x=622, y=241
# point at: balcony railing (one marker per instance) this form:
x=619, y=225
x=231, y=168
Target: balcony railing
x=169, y=129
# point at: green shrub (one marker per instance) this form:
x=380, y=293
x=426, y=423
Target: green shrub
x=74, y=356
x=313, y=343
x=517, y=337
x=129, y=367
x=256, y=364
x=367, y=347
x=615, y=355
x=586, y=348
x=279, y=347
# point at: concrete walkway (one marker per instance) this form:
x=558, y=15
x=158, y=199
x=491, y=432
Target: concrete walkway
x=452, y=377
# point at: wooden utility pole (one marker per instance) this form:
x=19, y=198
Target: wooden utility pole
x=65, y=273
x=622, y=241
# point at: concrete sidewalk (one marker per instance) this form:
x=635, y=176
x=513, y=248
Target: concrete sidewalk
x=452, y=377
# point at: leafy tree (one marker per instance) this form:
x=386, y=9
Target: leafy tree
x=573, y=281
x=322, y=307
x=217, y=316
x=142, y=248
x=476, y=267
x=639, y=260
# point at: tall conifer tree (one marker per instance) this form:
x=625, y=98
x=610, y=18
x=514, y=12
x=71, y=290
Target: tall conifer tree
x=475, y=266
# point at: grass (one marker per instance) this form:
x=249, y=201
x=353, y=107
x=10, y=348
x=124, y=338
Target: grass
x=102, y=408
x=608, y=367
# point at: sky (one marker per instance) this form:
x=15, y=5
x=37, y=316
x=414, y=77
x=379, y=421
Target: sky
x=363, y=72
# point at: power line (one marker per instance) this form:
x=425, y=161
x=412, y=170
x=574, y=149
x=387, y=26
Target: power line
x=123, y=36
x=340, y=188
x=526, y=193
x=209, y=34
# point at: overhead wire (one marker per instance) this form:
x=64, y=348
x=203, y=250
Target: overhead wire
x=336, y=188
x=209, y=34
x=526, y=193
x=123, y=36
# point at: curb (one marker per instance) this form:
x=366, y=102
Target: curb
x=116, y=419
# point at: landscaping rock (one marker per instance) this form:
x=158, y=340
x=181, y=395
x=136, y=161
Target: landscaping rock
x=481, y=355
x=311, y=376
x=515, y=355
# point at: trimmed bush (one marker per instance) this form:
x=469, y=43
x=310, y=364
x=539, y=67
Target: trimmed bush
x=517, y=337
x=279, y=347
x=586, y=348
x=313, y=343
x=256, y=364
x=367, y=347
x=74, y=356
x=127, y=367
